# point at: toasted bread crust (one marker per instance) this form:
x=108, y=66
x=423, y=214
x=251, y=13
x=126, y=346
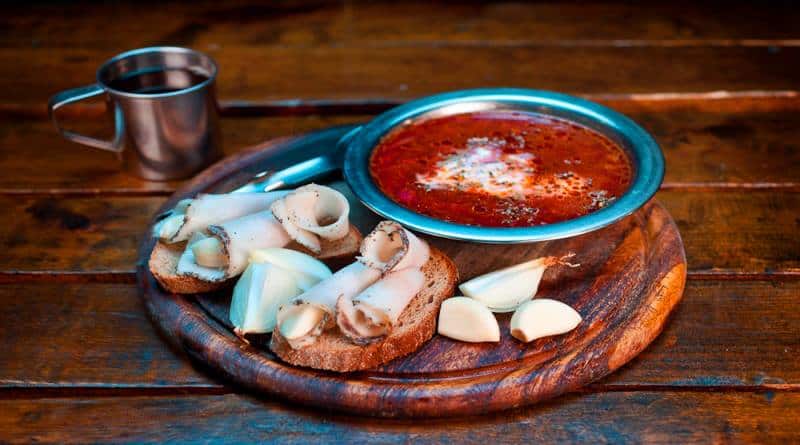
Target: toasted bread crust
x=163, y=263
x=416, y=325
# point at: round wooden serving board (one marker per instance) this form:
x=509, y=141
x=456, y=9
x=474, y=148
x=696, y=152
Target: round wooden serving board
x=632, y=275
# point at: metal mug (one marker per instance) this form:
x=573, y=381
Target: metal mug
x=164, y=109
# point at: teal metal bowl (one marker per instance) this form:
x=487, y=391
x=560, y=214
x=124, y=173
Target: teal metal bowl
x=644, y=152
x=353, y=152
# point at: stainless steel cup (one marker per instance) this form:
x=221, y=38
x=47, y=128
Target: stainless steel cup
x=163, y=105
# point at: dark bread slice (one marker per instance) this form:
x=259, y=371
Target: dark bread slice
x=416, y=325
x=163, y=262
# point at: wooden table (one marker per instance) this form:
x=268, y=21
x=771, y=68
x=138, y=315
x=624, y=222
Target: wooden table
x=716, y=85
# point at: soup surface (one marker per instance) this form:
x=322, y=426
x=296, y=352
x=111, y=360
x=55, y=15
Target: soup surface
x=500, y=168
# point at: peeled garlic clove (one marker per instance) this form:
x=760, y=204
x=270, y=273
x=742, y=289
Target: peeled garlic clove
x=543, y=317
x=258, y=294
x=465, y=319
x=208, y=252
x=308, y=270
x=301, y=322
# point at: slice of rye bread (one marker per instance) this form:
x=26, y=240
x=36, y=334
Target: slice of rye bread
x=334, y=352
x=163, y=262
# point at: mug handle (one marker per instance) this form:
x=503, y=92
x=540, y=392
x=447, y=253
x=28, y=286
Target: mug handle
x=78, y=94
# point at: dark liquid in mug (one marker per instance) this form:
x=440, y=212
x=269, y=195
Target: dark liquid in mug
x=158, y=82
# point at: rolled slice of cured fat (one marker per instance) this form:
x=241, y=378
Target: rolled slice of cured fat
x=311, y=212
x=390, y=246
x=372, y=314
x=209, y=209
x=236, y=239
x=399, y=255
x=306, y=316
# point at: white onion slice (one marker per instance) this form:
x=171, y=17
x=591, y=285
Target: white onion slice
x=258, y=294
x=308, y=271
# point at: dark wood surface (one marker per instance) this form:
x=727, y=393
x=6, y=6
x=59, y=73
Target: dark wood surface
x=81, y=362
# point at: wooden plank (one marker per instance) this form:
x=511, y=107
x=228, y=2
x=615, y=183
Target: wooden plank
x=235, y=23
x=35, y=158
x=737, y=231
x=723, y=334
x=722, y=142
x=726, y=232
x=74, y=234
x=398, y=72
x=618, y=417
x=85, y=337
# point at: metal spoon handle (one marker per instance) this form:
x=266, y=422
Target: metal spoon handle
x=301, y=173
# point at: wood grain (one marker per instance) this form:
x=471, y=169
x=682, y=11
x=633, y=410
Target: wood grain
x=49, y=233
x=344, y=72
x=741, y=231
x=717, y=143
x=236, y=23
x=723, y=142
x=725, y=335
x=85, y=336
x=616, y=417
x=36, y=159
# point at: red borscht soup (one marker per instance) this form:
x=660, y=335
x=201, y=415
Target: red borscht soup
x=500, y=168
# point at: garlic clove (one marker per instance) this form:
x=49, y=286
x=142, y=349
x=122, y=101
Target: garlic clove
x=208, y=252
x=300, y=322
x=465, y=319
x=543, y=317
x=505, y=289
x=258, y=294
x=308, y=270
